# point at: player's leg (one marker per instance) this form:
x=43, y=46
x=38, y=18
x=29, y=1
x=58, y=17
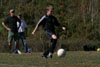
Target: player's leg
x=16, y=42
x=50, y=50
x=23, y=38
x=10, y=47
x=10, y=38
x=53, y=45
x=53, y=39
x=46, y=52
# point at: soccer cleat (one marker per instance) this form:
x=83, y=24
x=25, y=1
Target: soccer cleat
x=50, y=55
x=44, y=57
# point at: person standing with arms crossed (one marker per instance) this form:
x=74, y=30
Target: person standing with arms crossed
x=49, y=22
x=21, y=33
x=10, y=23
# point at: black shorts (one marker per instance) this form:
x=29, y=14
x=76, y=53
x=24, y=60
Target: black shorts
x=49, y=34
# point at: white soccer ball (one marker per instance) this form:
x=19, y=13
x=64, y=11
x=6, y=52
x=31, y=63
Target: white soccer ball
x=61, y=53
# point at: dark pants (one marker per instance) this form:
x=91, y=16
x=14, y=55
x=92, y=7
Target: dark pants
x=53, y=43
x=23, y=38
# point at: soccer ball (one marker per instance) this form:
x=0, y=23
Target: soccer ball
x=61, y=53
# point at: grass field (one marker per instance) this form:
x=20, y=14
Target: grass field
x=72, y=59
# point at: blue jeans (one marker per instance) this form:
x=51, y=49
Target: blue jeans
x=23, y=38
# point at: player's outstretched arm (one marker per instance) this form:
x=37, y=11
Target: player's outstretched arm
x=38, y=24
x=35, y=29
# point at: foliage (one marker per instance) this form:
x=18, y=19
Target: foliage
x=80, y=17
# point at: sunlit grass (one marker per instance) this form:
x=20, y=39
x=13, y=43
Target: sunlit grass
x=72, y=59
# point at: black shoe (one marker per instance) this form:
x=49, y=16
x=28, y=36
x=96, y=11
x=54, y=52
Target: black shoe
x=44, y=57
x=50, y=56
x=16, y=52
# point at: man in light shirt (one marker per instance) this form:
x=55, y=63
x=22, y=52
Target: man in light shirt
x=22, y=31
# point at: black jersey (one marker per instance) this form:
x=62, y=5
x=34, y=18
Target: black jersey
x=49, y=23
x=11, y=21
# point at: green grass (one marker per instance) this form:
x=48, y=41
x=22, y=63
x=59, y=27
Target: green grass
x=72, y=59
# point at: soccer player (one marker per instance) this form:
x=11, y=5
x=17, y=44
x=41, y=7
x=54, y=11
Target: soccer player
x=21, y=32
x=10, y=23
x=49, y=22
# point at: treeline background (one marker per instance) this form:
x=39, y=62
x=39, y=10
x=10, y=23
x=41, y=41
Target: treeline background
x=80, y=17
